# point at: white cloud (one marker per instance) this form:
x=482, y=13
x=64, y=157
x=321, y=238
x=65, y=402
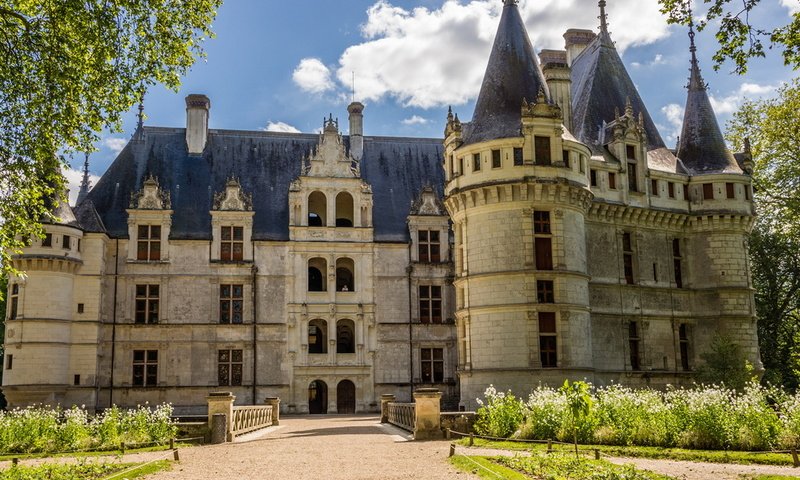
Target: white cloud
x=674, y=114
x=115, y=144
x=431, y=58
x=792, y=5
x=415, y=120
x=730, y=103
x=313, y=76
x=657, y=60
x=280, y=127
x=74, y=178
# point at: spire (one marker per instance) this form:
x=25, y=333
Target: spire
x=86, y=184
x=139, y=134
x=513, y=73
x=603, y=18
x=702, y=147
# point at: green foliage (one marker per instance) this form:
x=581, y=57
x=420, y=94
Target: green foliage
x=3, y=288
x=501, y=416
x=739, y=39
x=81, y=471
x=579, y=402
x=34, y=430
x=725, y=365
x=709, y=417
x=559, y=465
x=67, y=70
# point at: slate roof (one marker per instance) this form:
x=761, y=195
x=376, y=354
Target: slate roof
x=702, y=147
x=513, y=73
x=265, y=164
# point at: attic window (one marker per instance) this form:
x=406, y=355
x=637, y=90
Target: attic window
x=630, y=152
x=496, y=162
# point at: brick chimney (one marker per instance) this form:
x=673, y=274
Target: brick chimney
x=576, y=41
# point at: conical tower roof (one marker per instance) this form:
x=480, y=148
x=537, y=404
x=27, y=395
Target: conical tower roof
x=513, y=73
x=702, y=147
x=600, y=85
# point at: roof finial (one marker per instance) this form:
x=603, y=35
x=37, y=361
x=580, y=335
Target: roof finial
x=603, y=17
x=140, y=123
x=508, y=3
x=85, y=183
x=695, y=79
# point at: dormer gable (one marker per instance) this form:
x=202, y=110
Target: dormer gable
x=330, y=158
x=151, y=197
x=149, y=223
x=232, y=224
x=233, y=198
x=427, y=204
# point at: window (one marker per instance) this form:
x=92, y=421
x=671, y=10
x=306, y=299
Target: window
x=565, y=158
x=344, y=210
x=231, y=303
x=317, y=275
x=517, y=157
x=676, y=262
x=544, y=291
x=655, y=272
x=593, y=178
x=747, y=192
x=671, y=190
x=453, y=166
x=612, y=181
x=66, y=242
x=729, y=190
x=461, y=165
x=430, y=304
x=318, y=336
x=683, y=336
x=543, y=243
x=149, y=242
x=232, y=246
x=9, y=361
x=686, y=192
x=633, y=343
x=76, y=380
x=317, y=209
x=47, y=241
x=345, y=336
x=345, y=275
x=229, y=368
x=146, y=303
x=476, y=162
x=582, y=166
x=627, y=257
x=145, y=368
x=630, y=152
x=708, y=191
x=428, y=246
x=432, y=365
x=654, y=187
x=496, y=162
x=542, y=150
x=633, y=182
x=13, y=302
x=80, y=308
x=547, y=339
x=79, y=244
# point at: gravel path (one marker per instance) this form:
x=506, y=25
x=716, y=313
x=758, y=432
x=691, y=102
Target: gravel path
x=329, y=447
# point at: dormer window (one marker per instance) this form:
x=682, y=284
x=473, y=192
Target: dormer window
x=149, y=223
x=148, y=243
x=231, y=244
x=232, y=224
x=429, y=247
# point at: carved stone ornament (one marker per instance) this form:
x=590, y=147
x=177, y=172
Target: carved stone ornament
x=427, y=203
x=330, y=158
x=232, y=198
x=151, y=197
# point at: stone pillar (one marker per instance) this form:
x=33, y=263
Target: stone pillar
x=385, y=399
x=221, y=402
x=427, y=425
x=275, y=402
x=219, y=428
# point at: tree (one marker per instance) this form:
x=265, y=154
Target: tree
x=739, y=39
x=773, y=129
x=67, y=71
x=725, y=364
x=579, y=401
x=3, y=287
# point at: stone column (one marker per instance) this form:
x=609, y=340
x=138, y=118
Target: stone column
x=275, y=402
x=385, y=399
x=427, y=425
x=221, y=402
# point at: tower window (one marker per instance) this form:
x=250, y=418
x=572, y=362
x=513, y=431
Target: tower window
x=676, y=262
x=633, y=343
x=496, y=160
x=542, y=150
x=654, y=187
x=729, y=190
x=229, y=368
x=683, y=336
x=544, y=291
x=476, y=162
x=593, y=177
x=430, y=304
x=582, y=165
x=627, y=257
x=517, y=157
x=461, y=165
x=148, y=245
x=13, y=301
x=541, y=222
x=432, y=365
x=612, y=181
x=543, y=242
x=708, y=191
x=671, y=190
x=80, y=308
x=231, y=303
x=747, y=192
x=147, y=303
x=686, y=192
x=76, y=380
x=47, y=241
x=633, y=182
x=66, y=243
x=145, y=368
x=9, y=361
x=232, y=245
x=548, y=350
x=428, y=246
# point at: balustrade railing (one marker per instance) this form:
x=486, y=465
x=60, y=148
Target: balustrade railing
x=402, y=415
x=247, y=419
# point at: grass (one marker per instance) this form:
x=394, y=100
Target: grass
x=768, y=477
x=83, y=471
x=483, y=467
x=711, y=456
x=96, y=453
x=146, y=469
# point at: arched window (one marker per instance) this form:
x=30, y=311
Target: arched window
x=317, y=208
x=345, y=336
x=317, y=336
x=345, y=275
x=317, y=281
x=344, y=210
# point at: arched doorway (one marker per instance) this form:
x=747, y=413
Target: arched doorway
x=346, y=397
x=318, y=397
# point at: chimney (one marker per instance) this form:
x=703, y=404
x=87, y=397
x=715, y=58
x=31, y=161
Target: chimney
x=576, y=41
x=557, y=74
x=197, y=107
x=356, y=110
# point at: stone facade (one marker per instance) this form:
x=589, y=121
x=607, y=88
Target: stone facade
x=329, y=270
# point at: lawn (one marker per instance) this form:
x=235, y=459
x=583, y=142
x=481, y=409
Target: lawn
x=83, y=471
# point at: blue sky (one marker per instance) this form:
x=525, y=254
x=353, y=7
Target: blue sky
x=288, y=64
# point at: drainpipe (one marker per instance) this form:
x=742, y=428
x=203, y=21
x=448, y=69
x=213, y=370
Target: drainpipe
x=114, y=325
x=255, y=322
x=410, y=324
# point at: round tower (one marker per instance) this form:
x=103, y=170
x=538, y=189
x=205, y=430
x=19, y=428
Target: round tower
x=517, y=191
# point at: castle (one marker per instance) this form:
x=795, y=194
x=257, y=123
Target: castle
x=553, y=236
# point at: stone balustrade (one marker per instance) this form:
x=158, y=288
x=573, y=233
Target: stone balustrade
x=248, y=419
x=242, y=419
x=422, y=418
x=402, y=415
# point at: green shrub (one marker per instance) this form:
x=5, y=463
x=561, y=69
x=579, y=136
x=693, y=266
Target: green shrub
x=500, y=416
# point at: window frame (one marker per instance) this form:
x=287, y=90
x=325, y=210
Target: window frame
x=497, y=159
x=150, y=314
x=47, y=241
x=228, y=303
x=545, y=291
x=227, y=370
x=430, y=302
x=476, y=162
x=542, y=148
x=428, y=249
x=627, y=258
x=13, y=301
x=148, y=247
x=677, y=262
x=542, y=240
x=612, y=181
x=231, y=242
x=518, y=157
x=435, y=358
x=148, y=364
x=548, y=339
x=684, y=346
